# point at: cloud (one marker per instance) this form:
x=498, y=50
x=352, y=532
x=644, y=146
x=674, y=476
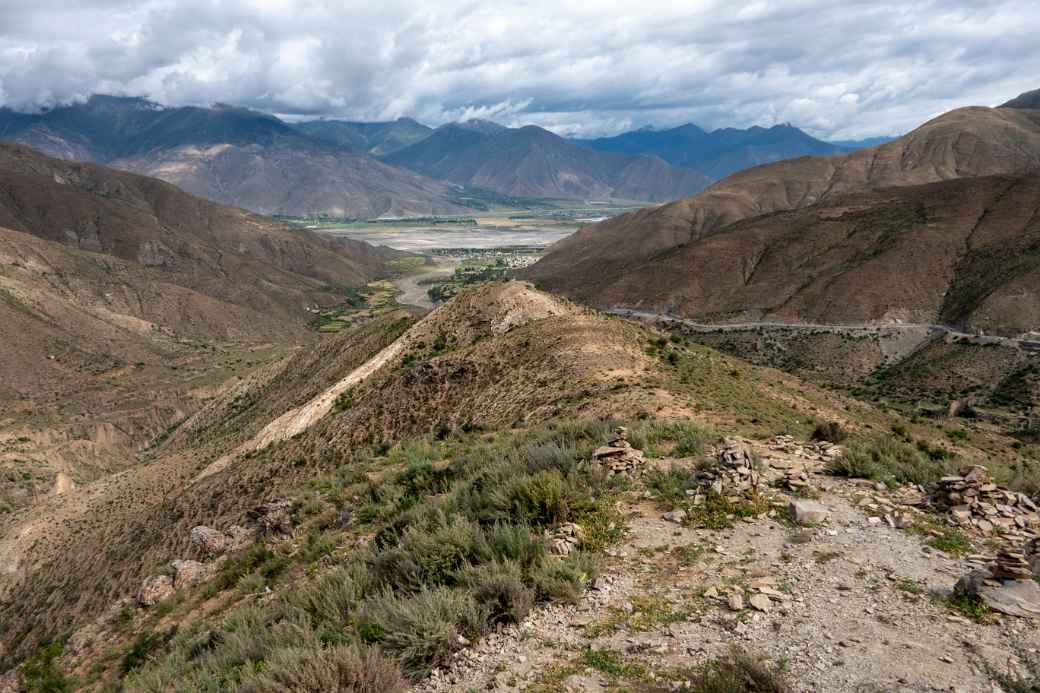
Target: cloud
x=838, y=68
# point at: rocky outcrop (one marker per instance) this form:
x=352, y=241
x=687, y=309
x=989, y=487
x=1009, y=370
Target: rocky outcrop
x=187, y=573
x=274, y=517
x=805, y=512
x=11, y=682
x=154, y=589
x=211, y=542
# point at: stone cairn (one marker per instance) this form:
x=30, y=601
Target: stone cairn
x=1011, y=564
x=618, y=455
x=730, y=471
x=1006, y=583
x=972, y=500
x=820, y=451
x=565, y=538
x=795, y=480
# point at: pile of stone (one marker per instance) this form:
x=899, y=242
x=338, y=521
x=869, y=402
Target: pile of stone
x=1008, y=583
x=618, y=455
x=1011, y=564
x=760, y=595
x=794, y=480
x=973, y=500
x=819, y=451
x=729, y=471
x=565, y=538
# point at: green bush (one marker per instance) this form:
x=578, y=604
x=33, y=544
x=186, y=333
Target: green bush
x=41, y=672
x=685, y=438
x=424, y=629
x=460, y=545
x=499, y=588
x=141, y=649
x=888, y=460
x=345, y=669
x=830, y=432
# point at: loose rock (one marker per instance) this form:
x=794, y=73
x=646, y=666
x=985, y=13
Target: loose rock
x=806, y=512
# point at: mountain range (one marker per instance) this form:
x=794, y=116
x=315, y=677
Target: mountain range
x=514, y=490
x=377, y=139
x=720, y=152
x=398, y=168
x=533, y=162
x=229, y=155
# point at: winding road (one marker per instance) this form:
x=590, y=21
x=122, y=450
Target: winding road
x=862, y=328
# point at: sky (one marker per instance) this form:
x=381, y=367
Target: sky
x=840, y=69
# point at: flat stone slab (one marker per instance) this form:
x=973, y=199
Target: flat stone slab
x=1013, y=597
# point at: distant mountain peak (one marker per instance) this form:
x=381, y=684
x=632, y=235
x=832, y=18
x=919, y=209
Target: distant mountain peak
x=1029, y=100
x=486, y=127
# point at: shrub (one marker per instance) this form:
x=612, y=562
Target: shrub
x=344, y=401
x=422, y=630
x=737, y=673
x=499, y=588
x=563, y=579
x=830, y=432
x=670, y=486
x=687, y=438
x=140, y=650
x=427, y=558
x=331, y=597
x=888, y=460
x=42, y=674
x=345, y=669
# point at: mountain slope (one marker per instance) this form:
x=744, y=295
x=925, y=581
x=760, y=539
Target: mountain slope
x=229, y=155
x=402, y=524
x=965, y=143
x=512, y=357
x=202, y=245
x=1029, y=100
x=964, y=253
x=127, y=303
x=532, y=162
x=378, y=139
x=719, y=153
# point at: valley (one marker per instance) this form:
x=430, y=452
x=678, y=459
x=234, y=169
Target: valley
x=296, y=402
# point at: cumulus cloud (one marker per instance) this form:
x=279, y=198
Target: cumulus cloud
x=839, y=69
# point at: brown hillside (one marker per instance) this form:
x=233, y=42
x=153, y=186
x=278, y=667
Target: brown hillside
x=495, y=357
x=127, y=303
x=968, y=142
x=963, y=253
x=152, y=223
x=295, y=178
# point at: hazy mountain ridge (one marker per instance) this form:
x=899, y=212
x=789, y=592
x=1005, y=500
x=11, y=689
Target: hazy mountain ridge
x=230, y=155
x=718, y=153
x=534, y=162
x=375, y=138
